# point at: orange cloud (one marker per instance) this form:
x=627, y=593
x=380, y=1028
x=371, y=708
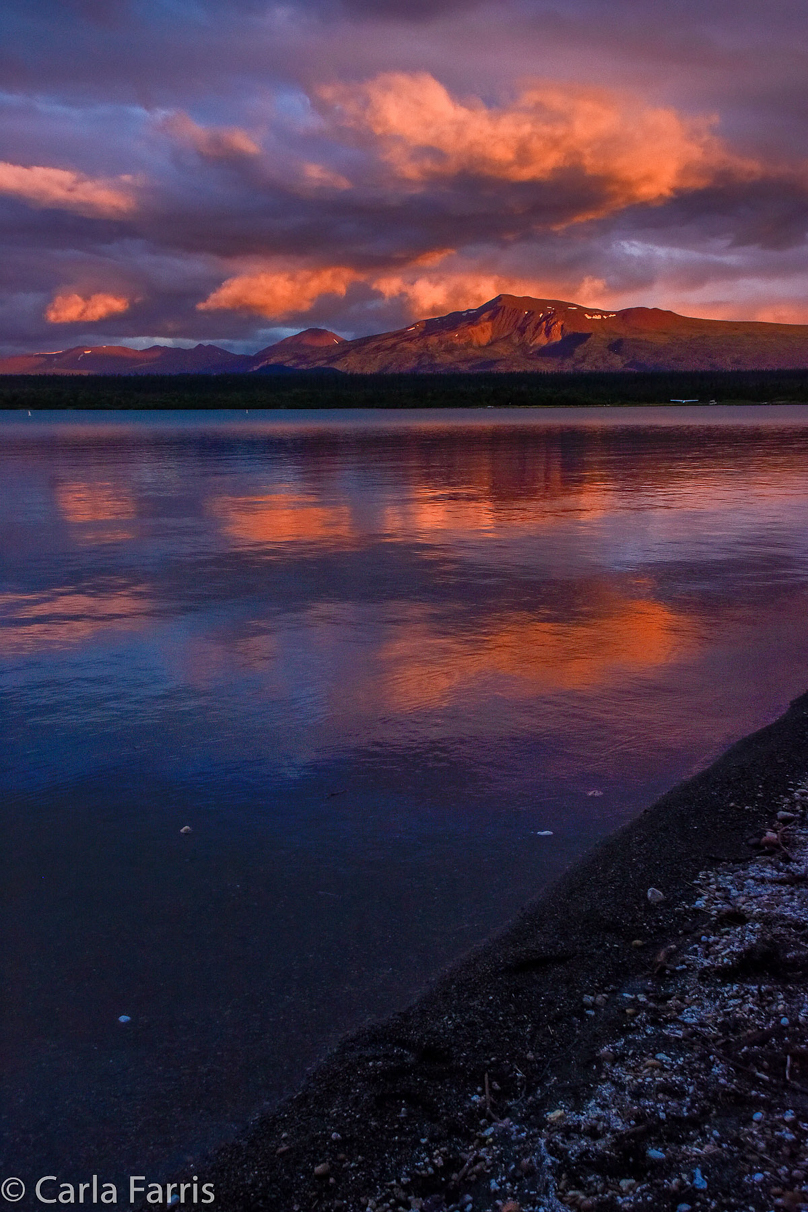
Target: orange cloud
x=69, y=308
x=63, y=189
x=637, y=152
x=320, y=176
x=279, y=293
x=436, y=294
x=212, y=142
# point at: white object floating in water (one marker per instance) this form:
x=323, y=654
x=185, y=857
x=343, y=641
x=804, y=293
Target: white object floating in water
x=124, y=1018
x=544, y=833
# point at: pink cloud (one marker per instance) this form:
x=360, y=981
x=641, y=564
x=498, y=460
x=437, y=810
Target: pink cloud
x=212, y=142
x=279, y=293
x=69, y=308
x=635, y=151
x=63, y=189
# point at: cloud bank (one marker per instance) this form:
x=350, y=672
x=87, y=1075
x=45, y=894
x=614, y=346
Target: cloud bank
x=244, y=168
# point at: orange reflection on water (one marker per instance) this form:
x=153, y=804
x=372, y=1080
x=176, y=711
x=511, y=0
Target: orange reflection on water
x=471, y=517
x=32, y=622
x=279, y=518
x=96, y=502
x=423, y=668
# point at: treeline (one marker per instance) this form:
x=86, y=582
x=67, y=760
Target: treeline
x=328, y=389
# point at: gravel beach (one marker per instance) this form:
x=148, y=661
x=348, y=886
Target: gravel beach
x=638, y=1038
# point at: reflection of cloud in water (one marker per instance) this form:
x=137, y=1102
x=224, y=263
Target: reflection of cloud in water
x=282, y=518
x=33, y=621
x=472, y=517
x=423, y=668
x=96, y=502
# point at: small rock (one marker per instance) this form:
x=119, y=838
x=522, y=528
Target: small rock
x=786, y=818
x=699, y=1181
x=637, y=942
x=323, y=1170
x=282, y=1149
x=336, y=1136
x=527, y=1166
x=186, y=829
x=124, y=1018
x=654, y=1154
x=511, y=1206
x=655, y=896
x=555, y=1117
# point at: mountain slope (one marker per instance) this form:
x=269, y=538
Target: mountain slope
x=513, y=333
x=508, y=333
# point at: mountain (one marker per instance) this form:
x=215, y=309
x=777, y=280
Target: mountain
x=296, y=348
x=509, y=333
x=120, y=360
x=513, y=333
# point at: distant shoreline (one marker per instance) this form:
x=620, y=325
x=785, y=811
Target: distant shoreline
x=329, y=390
x=514, y=1007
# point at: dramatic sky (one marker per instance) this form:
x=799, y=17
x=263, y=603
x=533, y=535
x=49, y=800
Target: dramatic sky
x=235, y=170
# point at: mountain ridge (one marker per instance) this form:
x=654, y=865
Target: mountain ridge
x=510, y=333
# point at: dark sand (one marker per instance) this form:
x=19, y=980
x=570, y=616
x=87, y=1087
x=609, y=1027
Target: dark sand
x=513, y=1010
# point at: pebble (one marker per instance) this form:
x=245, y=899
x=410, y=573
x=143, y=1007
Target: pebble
x=655, y=1154
x=699, y=1181
x=655, y=896
x=322, y=1170
x=124, y=1018
x=186, y=829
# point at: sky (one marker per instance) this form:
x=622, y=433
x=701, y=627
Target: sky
x=233, y=171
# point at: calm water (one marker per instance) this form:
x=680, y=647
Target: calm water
x=367, y=659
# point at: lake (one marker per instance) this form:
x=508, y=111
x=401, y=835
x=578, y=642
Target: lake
x=394, y=671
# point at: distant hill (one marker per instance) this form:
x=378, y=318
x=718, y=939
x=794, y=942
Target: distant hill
x=509, y=333
x=120, y=360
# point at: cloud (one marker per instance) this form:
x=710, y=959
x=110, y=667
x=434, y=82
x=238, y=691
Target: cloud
x=435, y=294
x=63, y=189
x=279, y=293
x=211, y=142
x=638, y=153
x=71, y=308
